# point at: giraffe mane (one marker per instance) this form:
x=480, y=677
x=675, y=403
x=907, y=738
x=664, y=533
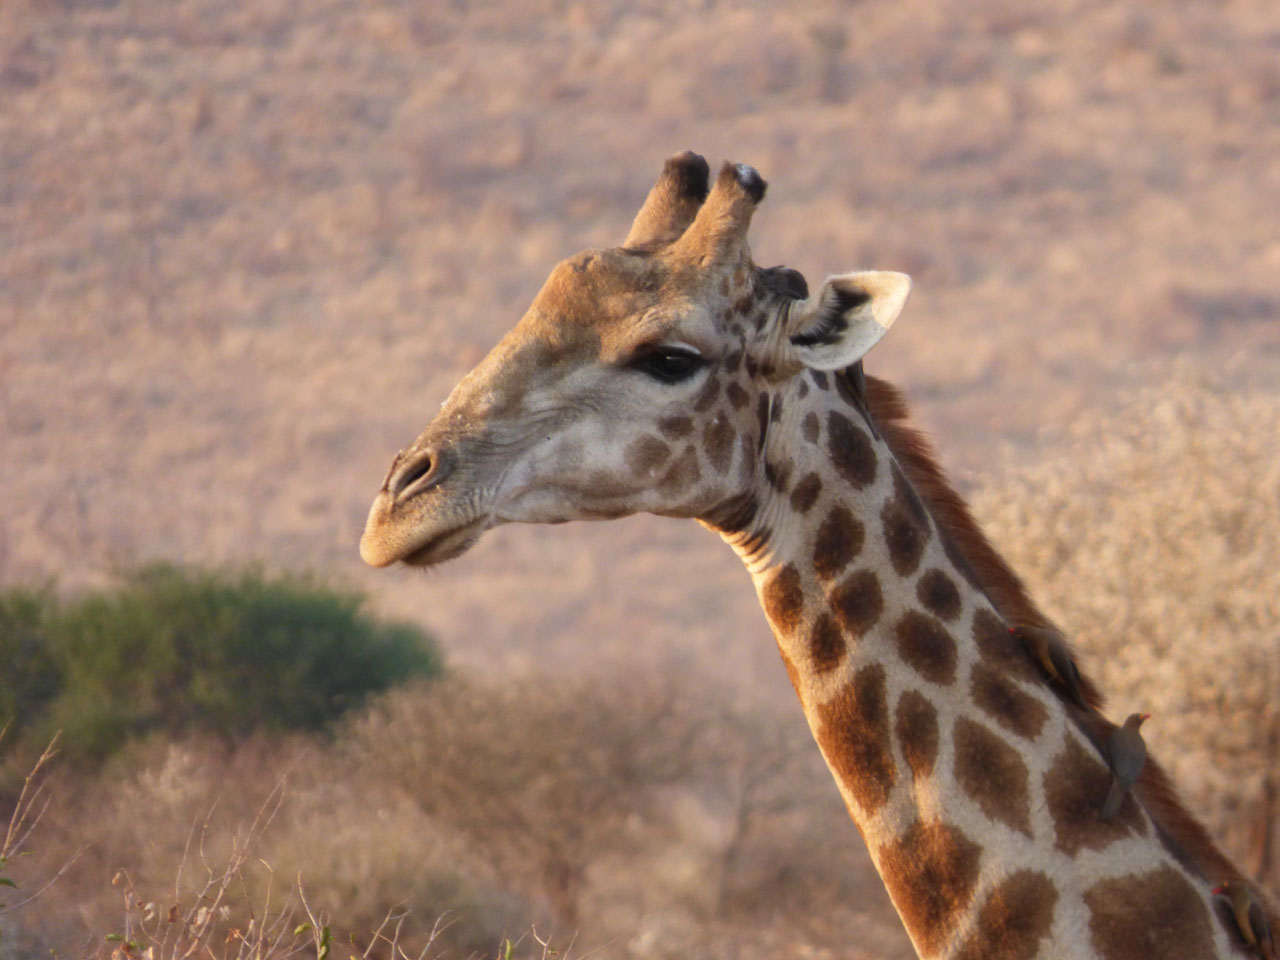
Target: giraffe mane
x=1183, y=834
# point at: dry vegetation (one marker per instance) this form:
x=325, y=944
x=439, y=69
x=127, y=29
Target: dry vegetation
x=245, y=249
x=637, y=820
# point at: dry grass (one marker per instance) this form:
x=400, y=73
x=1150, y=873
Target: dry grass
x=1151, y=536
x=624, y=818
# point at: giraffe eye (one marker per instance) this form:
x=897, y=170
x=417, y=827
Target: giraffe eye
x=669, y=364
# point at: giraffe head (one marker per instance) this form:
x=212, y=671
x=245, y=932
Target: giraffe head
x=640, y=380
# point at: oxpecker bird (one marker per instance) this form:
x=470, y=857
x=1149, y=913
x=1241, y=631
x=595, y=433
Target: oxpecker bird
x=1250, y=917
x=1126, y=754
x=1048, y=648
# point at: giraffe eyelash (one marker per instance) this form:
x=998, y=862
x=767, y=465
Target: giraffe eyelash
x=669, y=364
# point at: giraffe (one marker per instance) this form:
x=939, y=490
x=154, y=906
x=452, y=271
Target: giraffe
x=673, y=376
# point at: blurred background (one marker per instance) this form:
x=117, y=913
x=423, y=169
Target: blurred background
x=247, y=249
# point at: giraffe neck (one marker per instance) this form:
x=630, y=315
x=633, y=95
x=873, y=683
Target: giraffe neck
x=973, y=789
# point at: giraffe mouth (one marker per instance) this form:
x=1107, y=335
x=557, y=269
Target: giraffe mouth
x=445, y=546
x=416, y=542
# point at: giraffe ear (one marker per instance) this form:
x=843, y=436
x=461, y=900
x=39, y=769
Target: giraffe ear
x=839, y=324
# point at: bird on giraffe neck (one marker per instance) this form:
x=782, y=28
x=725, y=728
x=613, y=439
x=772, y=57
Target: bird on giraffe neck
x=1251, y=919
x=1126, y=755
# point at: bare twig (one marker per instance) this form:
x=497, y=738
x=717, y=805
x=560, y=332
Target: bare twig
x=22, y=821
x=26, y=816
x=206, y=928
x=57, y=875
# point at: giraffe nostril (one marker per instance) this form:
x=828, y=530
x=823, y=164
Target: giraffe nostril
x=417, y=471
x=420, y=471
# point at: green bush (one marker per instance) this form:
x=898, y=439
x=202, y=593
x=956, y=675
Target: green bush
x=180, y=650
x=31, y=677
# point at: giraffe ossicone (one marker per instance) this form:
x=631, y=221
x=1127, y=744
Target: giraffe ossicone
x=672, y=375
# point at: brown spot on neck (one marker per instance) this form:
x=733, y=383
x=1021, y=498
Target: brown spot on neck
x=993, y=775
x=931, y=872
x=837, y=543
x=852, y=454
x=853, y=732
x=939, y=594
x=783, y=600
x=926, y=646
x=1016, y=916
x=805, y=493
x=857, y=602
x=810, y=427
x=762, y=420
x=778, y=475
x=1000, y=698
x=826, y=644
x=906, y=526
x=916, y=727
x=1155, y=914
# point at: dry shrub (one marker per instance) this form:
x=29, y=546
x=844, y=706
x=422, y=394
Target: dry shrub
x=362, y=849
x=165, y=827
x=1152, y=538
x=649, y=817
x=661, y=820
x=198, y=842
x=208, y=909
x=540, y=775
x=791, y=875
